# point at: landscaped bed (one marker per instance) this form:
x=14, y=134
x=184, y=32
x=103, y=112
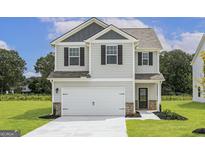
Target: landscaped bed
x=194, y=112
x=169, y=115
x=136, y=115
x=23, y=115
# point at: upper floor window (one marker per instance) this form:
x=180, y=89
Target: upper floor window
x=199, y=91
x=74, y=55
x=145, y=58
x=111, y=54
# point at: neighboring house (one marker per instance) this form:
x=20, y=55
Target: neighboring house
x=101, y=69
x=25, y=89
x=198, y=72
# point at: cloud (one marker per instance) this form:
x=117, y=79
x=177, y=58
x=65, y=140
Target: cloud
x=62, y=25
x=31, y=74
x=125, y=22
x=187, y=41
x=3, y=45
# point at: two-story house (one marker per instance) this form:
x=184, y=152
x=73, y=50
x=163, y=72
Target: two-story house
x=198, y=73
x=101, y=69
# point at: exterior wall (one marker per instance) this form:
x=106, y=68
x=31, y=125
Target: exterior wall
x=152, y=94
x=148, y=69
x=128, y=87
x=112, y=70
x=197, y=69
x=60, y=60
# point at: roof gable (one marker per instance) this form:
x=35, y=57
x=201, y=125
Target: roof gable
x=105, y=33
x=201, y=43
x=84, y=33
x=110, y=35
x=79, y=28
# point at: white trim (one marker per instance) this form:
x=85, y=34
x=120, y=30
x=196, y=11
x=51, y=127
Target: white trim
x=55, y=58
x=148, y=49
x=147, y=81
x=71, y=43
x=77, y=29
x=133, y=76
x=92, y=79
x=89, y=59
x=159, y=95
x=202, y=41
x=111, y=27
x=52, y=82
x=111, y=41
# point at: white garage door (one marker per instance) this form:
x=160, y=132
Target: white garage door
x=93, y=101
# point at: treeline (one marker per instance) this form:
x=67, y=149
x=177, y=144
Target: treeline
x=174, y=65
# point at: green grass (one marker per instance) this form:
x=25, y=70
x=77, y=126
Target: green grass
x=195, y=112
x=23, y=115
x=176, y=97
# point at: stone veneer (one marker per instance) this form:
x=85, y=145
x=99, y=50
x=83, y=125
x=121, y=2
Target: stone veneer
x=57, y=108
x=129, y=108
x=152, y=105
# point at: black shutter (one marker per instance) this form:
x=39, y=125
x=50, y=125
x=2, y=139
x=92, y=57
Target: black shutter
x=82, y=56
x=66, y=57
x=103, y=55
x=120, y=54
x=150, y=58
x=139, y=58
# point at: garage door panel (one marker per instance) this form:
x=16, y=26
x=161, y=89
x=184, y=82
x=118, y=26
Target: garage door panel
x=93, y=101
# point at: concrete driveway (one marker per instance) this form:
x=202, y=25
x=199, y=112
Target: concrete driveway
x=82, y=126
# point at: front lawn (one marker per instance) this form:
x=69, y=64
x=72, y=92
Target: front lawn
x=195, y=112
x=23, y=115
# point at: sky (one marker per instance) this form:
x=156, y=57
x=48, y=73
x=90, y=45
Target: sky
x=31, y=37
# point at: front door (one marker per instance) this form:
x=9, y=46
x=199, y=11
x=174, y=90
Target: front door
x=143, y=98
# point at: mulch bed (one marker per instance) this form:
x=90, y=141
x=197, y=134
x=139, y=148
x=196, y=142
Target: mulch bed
x=169, y=116
x=50, y=116
x=136, y=115
x=199, y=131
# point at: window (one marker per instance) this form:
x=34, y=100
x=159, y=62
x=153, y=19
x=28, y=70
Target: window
x=145, y=58
x=74, y=56
x=199, y=91
x=111, y=54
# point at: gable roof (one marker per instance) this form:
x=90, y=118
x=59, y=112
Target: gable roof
x=112, y=28
x=146, y=36
x=202, y=41
x=78, y=28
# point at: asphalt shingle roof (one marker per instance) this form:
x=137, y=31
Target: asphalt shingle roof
x=63, y=74
x=147, y=37
x=150, y=76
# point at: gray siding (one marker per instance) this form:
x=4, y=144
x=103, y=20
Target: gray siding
x=111, y=35
x=127, y=85
x=112, y=70
x=148, y=69
x=60, y=60
x=85, y=33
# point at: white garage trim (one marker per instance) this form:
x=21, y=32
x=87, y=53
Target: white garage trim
x=93, y=101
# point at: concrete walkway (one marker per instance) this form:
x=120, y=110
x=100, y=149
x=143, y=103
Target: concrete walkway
x=146, y=115
x=82, y=126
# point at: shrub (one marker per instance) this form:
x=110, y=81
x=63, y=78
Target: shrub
x=33, y=97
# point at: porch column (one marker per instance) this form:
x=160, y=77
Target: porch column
x=159, y=94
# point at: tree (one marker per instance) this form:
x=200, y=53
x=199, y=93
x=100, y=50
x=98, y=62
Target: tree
x=39, y=85
x=12, y=67
x=45, y=65
x=176, y=68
